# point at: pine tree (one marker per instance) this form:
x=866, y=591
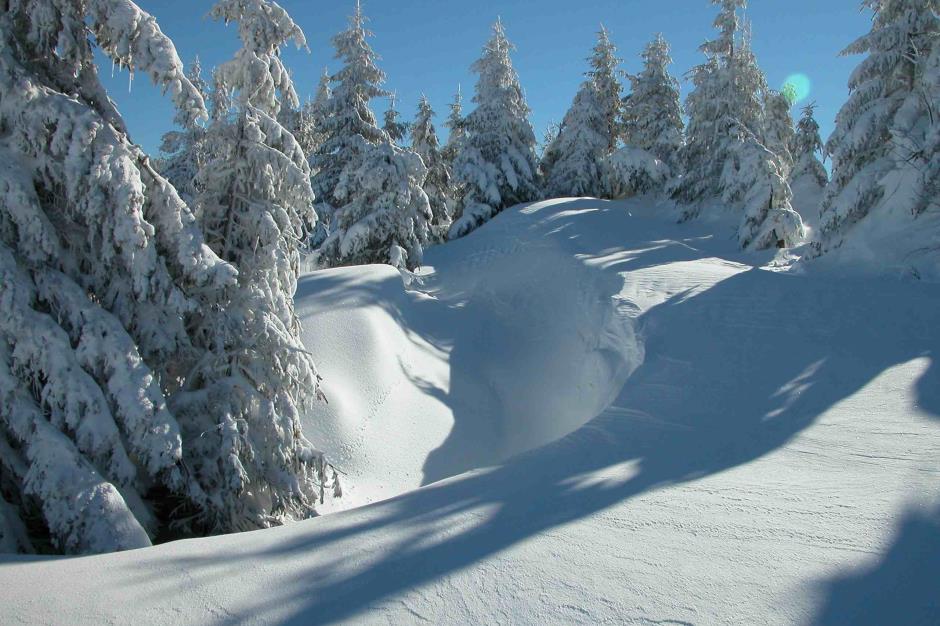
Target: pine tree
x=379, y=211
x=455, y=128
x=881, y=133
x=807, y=144
x=754, y=180
x=384, y=214
x=778, y=128
x=572, y=162
x=712, y=112
x=184, y=151
x=654, y=118
x=349, y=126
x=315, y=113
x=103, y=269
x=496, y=166
x=438, y=185
x=244, y=398
x=392, y=124
x=606, y=79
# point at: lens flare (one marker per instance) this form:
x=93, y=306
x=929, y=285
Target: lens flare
x=796, y=87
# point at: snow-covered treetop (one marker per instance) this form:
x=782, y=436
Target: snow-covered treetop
x=423, y=135
x=606, y=78
x=728, y=25
x=358, y=82
x=807, y=139
x=498, y=85
x=392, y=125
x=654, y=115
x=256, y=74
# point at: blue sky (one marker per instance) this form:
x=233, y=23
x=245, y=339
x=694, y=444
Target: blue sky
x=427, y=46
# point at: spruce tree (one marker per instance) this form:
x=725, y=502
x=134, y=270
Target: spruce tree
x=778, y=128
x=378, y=211
x=244, y=398
x=882, y=141
x=392, y=124
x=654, y=117
x=496, y=166
x=712, y=109
x=572, y=162
x=102, y=272
x=606, y=80
x=349, y=125
x=438, y=185
x=807, y=145
x=455, y=129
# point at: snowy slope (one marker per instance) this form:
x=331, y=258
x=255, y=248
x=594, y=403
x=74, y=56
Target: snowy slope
x=626, y=420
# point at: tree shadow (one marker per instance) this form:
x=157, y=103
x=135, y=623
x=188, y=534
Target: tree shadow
x=900, y=589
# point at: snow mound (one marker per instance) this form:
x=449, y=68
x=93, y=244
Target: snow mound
x=495, y=349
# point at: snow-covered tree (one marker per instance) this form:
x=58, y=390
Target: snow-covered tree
x=455, y=129
x=753, y=178
x=245, y=395
x=349, y=127
x=725, y=108
x=384, y=213
x=653, y=118
x=102, y=271
x=606, y=79
x=496, y=166
x=392, y=124
x=571, y=165
x=778, y=128
x=884, y=140
x=313, y=115
x=437, y=185
x=807, y=145
x=711, y=110
x=184, y=151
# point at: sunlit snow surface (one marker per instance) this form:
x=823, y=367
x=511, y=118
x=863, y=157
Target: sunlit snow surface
x=583, y=413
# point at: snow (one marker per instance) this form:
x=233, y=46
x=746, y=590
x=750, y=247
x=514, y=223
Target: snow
x=582, y=412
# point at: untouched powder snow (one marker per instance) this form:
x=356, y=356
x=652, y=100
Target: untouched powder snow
x=583, y=413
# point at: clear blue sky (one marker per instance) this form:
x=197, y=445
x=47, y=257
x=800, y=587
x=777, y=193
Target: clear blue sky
x=427, y=46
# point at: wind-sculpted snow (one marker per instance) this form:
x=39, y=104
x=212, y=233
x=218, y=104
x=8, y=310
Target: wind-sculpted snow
x=708, y=442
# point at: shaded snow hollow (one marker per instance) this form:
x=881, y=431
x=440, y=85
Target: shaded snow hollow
x=581, y=413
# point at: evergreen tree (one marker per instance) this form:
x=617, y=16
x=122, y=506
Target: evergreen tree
x=654, y=117
x=349, y=126
x=572, y=162
x=425, y=143
x=455, y=128
x=384, y=214
x=754, y=180
x=184, y=151
x=392, y=125
x=378, y=212
x=102, y=269
x=496, y=166
x=711, y=108
x=726, y=154
x=778, y=128
x=807, y=144
x=606, y=80
x=881, y=140
x=315, y=114
x=244, y=398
